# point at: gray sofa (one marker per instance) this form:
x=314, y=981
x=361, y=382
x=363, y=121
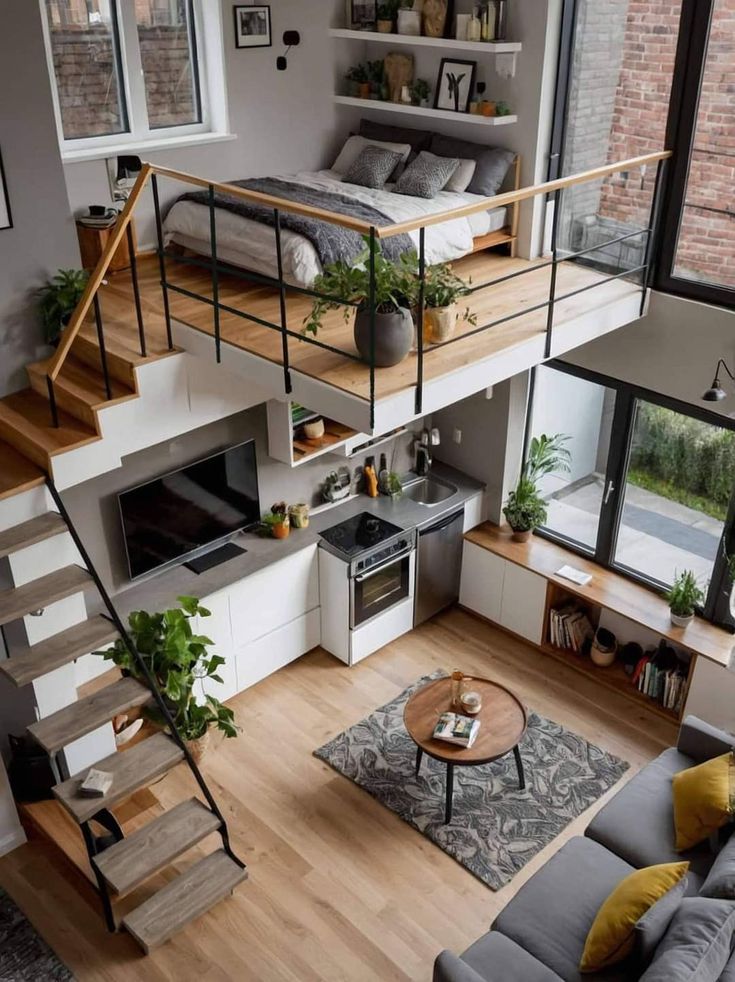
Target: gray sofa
x=540, y=935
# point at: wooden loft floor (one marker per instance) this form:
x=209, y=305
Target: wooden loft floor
x=353, y=377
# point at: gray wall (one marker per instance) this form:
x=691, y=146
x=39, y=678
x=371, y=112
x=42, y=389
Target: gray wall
x=93, y=505
x=43, y=236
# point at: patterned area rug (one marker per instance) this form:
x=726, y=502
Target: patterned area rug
x=495, y=828
x=24, y=955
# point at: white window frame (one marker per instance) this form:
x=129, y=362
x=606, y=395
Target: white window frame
x=140, y=137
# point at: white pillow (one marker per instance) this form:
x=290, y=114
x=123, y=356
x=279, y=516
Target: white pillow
x=462, y=177
x=356, y=144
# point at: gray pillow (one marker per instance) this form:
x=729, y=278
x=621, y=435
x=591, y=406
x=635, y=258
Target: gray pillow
x=492, y=162
x=720, y=882
x=373, y=167
x=462, y=177
x=418, y=140
x=696, y=947
x=426, y=176
x=652, y=926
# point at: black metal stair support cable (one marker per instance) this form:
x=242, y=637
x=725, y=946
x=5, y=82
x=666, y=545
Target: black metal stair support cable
x=282, y=298
x=136, y=289
x=160, y=702
x=215, y=274
x=101, y=342
x=162, y=261
x=52, y=401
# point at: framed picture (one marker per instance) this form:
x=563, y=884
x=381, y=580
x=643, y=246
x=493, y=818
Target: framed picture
x=454, y=85
x=253, y=26
x=362, y=15
x=6, y=219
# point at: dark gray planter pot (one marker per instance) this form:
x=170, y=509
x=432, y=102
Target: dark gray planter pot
x=393, y=336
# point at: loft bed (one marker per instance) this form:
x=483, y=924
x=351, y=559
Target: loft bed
x=245, y=231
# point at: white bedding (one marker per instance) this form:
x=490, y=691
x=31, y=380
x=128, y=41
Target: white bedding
x=249, y=244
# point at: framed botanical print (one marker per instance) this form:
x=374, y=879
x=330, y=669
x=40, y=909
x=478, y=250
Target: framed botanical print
x=6, y=219
x=253, y=26
x=362, y=15
x=454, y=85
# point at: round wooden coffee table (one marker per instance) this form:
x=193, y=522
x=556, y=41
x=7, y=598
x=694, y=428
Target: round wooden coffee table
x=502, y=725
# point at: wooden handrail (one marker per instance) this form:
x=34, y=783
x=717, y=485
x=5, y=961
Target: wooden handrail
x=334, y=218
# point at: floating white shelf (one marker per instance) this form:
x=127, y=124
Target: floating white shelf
x=399, y=107
x=445, y=44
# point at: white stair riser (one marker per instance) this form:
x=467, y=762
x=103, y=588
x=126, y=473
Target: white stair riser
x=23, y=507
x=43, y=557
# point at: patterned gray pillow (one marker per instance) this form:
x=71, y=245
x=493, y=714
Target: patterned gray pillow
x=373, y=167
x=426, y=176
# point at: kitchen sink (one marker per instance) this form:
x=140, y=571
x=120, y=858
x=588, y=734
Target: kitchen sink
x=429, y=491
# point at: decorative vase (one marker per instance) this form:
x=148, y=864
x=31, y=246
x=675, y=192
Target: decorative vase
x=604, y=648
x=385, y=26
x=299, y=515
x=198, y=748
x=434, y=15
x=678, y=621
x=521, y=535
x=409, y=23
x=393, y=336
x=281, y=531
x=441, y=322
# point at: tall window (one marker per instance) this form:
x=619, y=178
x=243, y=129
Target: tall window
x=652, y=482
x=126, y=70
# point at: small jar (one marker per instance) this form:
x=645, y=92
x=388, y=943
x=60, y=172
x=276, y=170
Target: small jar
x=299, y=516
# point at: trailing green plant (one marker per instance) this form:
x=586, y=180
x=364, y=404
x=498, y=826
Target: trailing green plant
x=420, y=90
x=348, y=283
x=525, y=509
x=685, y=594
x=58, y=300
x=176, y=658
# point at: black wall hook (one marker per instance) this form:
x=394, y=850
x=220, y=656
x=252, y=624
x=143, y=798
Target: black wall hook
x=292, y=39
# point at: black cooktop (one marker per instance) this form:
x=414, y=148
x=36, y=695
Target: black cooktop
x=360, y=532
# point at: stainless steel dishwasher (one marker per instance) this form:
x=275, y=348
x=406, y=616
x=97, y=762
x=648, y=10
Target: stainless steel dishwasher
x=438, y=565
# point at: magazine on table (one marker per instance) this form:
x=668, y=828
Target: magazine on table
x=454, y=728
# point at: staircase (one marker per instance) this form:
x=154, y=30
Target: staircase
x=120, y=864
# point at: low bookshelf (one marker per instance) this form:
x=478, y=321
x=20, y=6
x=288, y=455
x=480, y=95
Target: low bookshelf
x=608, y=600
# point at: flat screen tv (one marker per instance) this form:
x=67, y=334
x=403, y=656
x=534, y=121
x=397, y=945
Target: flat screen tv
x=166, y=520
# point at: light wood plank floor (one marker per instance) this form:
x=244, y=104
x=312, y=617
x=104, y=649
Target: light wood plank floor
x=340, y=888
x=489, y=304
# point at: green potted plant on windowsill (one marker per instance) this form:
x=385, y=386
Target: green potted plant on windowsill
x=526, y=509
x=349, y=283
x=58, y=300
x=683, y=598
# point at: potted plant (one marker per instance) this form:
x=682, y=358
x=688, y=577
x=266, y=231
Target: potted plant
x=683, y=598
x=409, y=20
x=59, y=299
x=420, y=93
x=358, y=78
x=176, y=658
x=375, y=77
x=387, y=16
x=349, y=282
x=277, y=523
x=526, y=509
x=442, y=290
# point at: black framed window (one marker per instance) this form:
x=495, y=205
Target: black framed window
x=698, y=234
x=651, y=490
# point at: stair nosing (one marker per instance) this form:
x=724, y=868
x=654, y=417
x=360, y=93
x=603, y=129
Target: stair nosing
x=77, y=585
x=121, y=887
x=49, y=525
x=21, y=669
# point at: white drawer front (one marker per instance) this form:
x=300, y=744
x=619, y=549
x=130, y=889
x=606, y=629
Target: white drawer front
x=274, y=596
x=524, y=602
x=481, y=586
x=381, y=631
x=266, y=655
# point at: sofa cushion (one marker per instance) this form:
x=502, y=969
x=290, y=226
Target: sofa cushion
x=638, y=823
x=697, y=945
x=551, y=915
x=701, y=800
x=720, y=882
x=495, y=958
x=729, y=974
x=653, y=925
x=701, y=741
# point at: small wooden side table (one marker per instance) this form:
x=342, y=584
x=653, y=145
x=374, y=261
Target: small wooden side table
x=93, y=242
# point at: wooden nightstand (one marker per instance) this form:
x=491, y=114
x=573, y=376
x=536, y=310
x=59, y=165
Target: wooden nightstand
x=93, y=241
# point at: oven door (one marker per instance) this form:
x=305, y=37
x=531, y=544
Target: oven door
x=380, y=588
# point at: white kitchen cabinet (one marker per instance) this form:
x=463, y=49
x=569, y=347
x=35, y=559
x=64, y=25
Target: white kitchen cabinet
x=503, y=592
x=218, y=629
x=380, y=631
x=266, y=655
x=473, y=512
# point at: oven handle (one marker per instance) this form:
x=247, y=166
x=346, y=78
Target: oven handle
x=379, y=569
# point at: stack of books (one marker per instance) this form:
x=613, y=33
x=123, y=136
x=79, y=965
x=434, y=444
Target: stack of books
x=662, y=675
x=453, y=728
x=100, y=221
x=569, y=627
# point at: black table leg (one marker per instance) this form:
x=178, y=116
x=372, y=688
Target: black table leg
x=419, y=758
x=450, y=793
x=519, y=765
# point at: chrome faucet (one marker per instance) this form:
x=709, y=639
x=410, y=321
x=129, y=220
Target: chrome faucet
x=423, y=454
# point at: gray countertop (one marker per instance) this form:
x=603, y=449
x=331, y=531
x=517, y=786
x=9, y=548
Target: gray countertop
x=162, y=589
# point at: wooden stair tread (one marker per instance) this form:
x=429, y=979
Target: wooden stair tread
x=29, y=533
x=21, y=600
x=129, y=863
x=131, y=769
x=25, y=423
x=17, y=473
x=85, y=715
x=58, y=650
x=83, y=382
x=183, y=900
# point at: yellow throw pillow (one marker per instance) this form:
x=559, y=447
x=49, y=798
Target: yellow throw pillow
x=701, y=800
x=610, y=939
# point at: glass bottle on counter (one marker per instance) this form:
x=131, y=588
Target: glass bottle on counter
x=474, y=28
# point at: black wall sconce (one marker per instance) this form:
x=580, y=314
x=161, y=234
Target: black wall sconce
x=292, y=39
x=716, y=393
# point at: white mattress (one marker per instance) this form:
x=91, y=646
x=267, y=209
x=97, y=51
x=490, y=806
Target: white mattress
x=243, y=242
